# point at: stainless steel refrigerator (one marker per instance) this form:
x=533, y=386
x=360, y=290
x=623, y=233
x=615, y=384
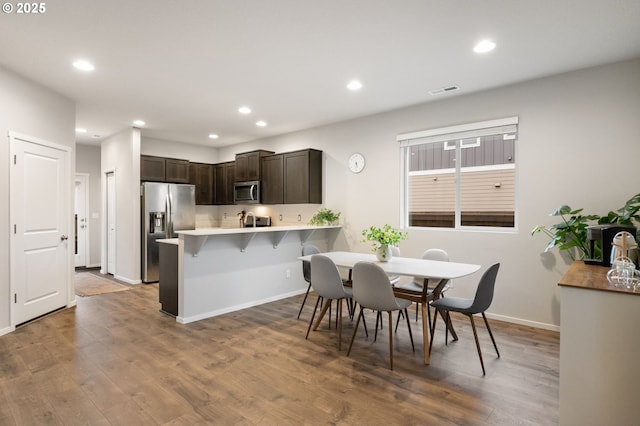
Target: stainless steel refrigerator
x=166, y=208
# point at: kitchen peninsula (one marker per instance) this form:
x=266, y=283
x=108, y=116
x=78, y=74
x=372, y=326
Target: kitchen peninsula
x=222, y=270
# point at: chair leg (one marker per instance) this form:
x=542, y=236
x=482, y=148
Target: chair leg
x=475, y=335
x=406, y=315
x=327, y=305
x=390, y=340
x=378, y=321
x=364, y=323
x=490, y=333
x=339, y=301
x=355, y=330
x=400, y=314
x=447, y=320
x=417, y=306
x=433, y=327
x=304, y=300
x=312, y=317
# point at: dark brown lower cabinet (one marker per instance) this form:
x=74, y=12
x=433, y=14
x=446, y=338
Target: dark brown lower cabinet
x=168, y=283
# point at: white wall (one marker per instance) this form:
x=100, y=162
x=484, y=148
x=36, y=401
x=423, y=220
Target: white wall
x=579, y=144
x=30, y=109
x=121, y=154
x=88, y=161
x=182, y=151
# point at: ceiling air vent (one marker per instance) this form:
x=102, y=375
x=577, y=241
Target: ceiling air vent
x=442, y=90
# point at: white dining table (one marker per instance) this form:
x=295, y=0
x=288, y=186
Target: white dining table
x=407, y=266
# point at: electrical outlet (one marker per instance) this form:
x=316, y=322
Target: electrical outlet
x=287, y=273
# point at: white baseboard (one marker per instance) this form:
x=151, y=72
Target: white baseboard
x=93, y=265
x=193, y=318
x=521, y=321
x=6, y=330
x=127, y=280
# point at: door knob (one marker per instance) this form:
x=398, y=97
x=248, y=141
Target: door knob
x=63, y=237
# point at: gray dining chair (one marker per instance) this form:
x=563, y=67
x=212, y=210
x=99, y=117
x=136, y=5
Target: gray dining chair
x=327, y=283
x=307, y=249
x=371, y=290
x=469, y=307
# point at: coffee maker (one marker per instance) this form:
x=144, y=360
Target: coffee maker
x=604, y=234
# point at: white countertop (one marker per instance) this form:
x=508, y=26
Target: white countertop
x=174, y=241
x=251, y=230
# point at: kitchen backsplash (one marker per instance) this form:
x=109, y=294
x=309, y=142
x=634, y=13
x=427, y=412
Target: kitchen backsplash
x=281, y=214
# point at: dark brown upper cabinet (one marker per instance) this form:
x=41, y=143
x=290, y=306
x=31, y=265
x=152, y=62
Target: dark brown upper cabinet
x=303, y=177
x=160, y=169
x=248, y=165
x=292, y=178
x=223, y=178
x=272, y=185
x=201, y=175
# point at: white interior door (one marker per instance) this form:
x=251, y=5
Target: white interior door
x=81, y=220
x=40, y=217
x=111, y=223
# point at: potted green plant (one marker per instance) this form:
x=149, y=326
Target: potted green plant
x=570, y=235
x=324, y=217
x=383, y=238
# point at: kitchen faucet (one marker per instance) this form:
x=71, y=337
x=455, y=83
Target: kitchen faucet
x=254, y=218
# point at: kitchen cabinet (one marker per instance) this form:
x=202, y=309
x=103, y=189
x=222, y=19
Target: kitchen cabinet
x=223, y=179
x=160, y=169
x=248, y=165
x=176, y=171
x=292, y=177
x=168, y=282
x=201, y=175
x=152, y=168
x=303, y=177
x=272, y=185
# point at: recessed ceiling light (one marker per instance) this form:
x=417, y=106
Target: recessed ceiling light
x=213, y=136
x=138, y=123
x=244, y=110
x=261, y=123
x=83, y=65
x=80, y=130
x=354, y=85
x=484, y=46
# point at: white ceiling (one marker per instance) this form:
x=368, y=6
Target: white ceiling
x=186, y=66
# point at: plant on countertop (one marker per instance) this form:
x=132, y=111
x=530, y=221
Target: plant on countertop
x=385, y=236
x=325, y=216
x=571, y=233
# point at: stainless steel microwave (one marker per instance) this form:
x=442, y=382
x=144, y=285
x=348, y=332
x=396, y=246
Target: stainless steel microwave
x=246, y=192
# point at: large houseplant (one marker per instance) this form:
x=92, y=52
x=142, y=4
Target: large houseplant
x=383, y=238
x=570, y=234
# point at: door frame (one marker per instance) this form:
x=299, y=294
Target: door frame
x=105, y=225
x=87, y=233
x=68, y=183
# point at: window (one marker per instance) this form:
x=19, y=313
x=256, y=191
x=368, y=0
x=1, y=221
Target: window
x=461, y=176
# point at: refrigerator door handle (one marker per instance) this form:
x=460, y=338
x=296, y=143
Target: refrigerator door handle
x=169, y=218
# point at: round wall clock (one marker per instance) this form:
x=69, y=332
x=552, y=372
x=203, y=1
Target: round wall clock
x=356, y=162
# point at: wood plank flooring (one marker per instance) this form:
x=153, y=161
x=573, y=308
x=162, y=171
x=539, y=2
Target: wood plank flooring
x=115, y=359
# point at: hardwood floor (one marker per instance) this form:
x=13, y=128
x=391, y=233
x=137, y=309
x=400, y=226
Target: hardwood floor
x=115, y=359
